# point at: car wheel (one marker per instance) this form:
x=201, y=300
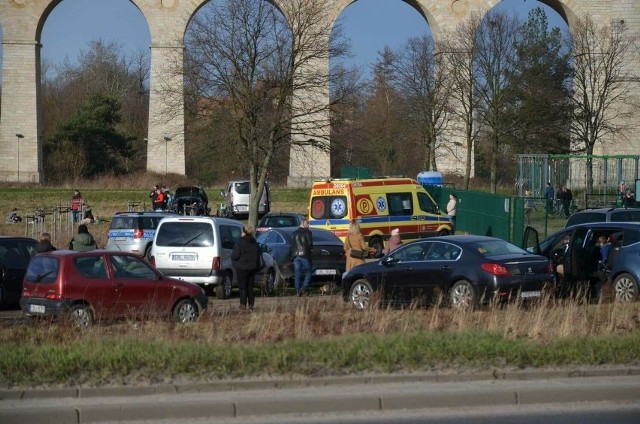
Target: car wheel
x=625, y=288
x=377, y=246
x=223, y=290
x=443, y=233
x=185, y=311
x=463, y=295
x=81, y=316
x=361, y=294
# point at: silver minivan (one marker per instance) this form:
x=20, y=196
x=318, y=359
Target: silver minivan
x=236, y=199
x=198, y=250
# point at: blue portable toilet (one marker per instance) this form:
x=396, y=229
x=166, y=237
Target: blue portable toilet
x=434, y=178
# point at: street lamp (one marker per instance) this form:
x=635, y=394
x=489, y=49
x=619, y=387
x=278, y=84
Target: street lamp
x=167, y=139
x=19, y=135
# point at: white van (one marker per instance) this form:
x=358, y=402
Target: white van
x=237, y=197
x=198, y=250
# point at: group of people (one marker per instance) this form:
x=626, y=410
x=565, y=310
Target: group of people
x=81, y=242
x=564, y=196
x=161, y=198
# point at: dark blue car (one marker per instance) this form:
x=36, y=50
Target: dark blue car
x=582, y=260
x=464, y=270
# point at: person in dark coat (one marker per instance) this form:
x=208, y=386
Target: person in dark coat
x=246, y=259
x=44, y=245
x=82, y=241
x=565, y=197
x=301, y=250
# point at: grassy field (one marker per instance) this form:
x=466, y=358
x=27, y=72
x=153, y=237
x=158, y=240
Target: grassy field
x=312, y=338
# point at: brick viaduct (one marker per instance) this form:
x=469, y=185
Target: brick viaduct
x=21, y=120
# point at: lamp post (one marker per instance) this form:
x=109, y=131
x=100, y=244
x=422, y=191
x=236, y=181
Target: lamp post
x=167, y=139
x=19, y=136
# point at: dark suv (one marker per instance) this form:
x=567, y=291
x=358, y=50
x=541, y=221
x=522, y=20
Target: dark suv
x=134, y=231
x=581, y=257
x=604, y=215
x=191, y=200
x=15, y=253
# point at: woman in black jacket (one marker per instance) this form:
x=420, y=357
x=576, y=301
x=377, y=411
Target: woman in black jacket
x=246, y=257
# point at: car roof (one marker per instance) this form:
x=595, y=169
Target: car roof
x=145, y=213
x=94, y=252
x=633, y=225
x=605, y=210
x=17, y=238
x=212, y=219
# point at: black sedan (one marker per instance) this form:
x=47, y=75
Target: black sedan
x=328, y=258
x=465, y=270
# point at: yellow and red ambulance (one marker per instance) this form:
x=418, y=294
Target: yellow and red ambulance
x=378, y=205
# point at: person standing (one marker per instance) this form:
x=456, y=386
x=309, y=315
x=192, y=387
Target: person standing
x=565, y=197
x=44, y=245
x=77, y=202
x=529, y=206
x=394, y=242
x=549, y=195
x=451, y=210
x=246, y=257
x=83, y=241
x=355, y=247
x=301, y=249
x=153, y=194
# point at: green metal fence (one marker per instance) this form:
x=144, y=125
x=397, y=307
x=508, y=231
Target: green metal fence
x=487, y=214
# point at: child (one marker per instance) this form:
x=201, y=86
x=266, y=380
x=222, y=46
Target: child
x=13, y=217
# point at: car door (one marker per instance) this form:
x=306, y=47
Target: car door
x=433, y=276
x=93, y=284
x=140, y=288
x=399, y=273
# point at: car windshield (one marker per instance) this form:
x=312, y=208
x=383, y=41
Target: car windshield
x=187, y=192
x=489, y=248
x=242, y=188
x=581, y=218
x=324, y=237
x=42, y=270
x=179, y=234
x=278, y=221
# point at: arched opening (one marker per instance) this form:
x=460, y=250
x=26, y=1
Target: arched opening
x=95, y=54
x=373, y=133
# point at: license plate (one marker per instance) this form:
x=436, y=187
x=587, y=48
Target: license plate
x=243, y=208
x=120, y=238
x=529, y=294
x=326, y=272
x=36, y=309
x=183, y=257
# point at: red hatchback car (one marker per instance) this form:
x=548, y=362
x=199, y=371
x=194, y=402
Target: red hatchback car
x=98, y=284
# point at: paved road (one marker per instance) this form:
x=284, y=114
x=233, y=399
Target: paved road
x=261, y=401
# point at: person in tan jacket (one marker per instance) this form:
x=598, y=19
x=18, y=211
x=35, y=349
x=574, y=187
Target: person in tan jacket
x=355, y=242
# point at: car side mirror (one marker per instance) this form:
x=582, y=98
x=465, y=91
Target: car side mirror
x=390, y=261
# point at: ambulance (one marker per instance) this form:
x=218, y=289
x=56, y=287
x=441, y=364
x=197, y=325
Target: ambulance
x=379, y=205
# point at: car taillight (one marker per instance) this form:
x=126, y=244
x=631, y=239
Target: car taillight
x=215, y=264
x=495, y=269
x=53, y=296
x=138, y=233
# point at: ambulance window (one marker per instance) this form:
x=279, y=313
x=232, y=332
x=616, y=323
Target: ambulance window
x=328, y=207
x=400, y=204
x=426, y=204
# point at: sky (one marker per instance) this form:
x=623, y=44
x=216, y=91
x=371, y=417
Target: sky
x=369, y=24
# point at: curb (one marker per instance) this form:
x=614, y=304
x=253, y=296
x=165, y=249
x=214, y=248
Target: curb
x=302, y=382
x=375, y=393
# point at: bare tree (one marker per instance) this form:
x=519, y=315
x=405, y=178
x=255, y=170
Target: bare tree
x=269, y=69
x=603, y=85
x=426, y=87
x=494, y=60
x=458, y=49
